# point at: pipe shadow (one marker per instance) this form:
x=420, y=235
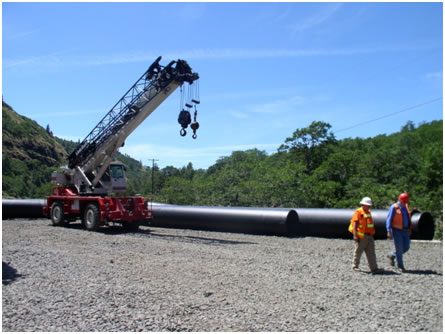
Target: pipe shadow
x=9, y=274
x=119, y=230
x=202, y=240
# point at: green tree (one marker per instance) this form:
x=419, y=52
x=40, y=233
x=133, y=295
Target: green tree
x=312, y=144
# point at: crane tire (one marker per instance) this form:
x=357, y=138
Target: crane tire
x=91, y=219
x=57, y=214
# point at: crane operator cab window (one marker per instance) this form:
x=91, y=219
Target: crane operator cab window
x=118, y=179
x=117, y=171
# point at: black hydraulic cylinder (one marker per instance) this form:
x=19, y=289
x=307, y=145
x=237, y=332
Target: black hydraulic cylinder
x=334, y=223
x=227, y=219
x=22, y=208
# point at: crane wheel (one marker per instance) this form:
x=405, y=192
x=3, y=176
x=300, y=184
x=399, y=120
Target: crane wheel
x=91, y=219
x=57, y=215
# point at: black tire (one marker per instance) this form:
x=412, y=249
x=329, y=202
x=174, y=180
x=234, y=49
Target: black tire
x=57, y=214
x=91, y=219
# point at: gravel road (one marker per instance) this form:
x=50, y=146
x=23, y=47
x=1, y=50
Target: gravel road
x=159, y=279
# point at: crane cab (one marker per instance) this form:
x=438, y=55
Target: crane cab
x=115, y=180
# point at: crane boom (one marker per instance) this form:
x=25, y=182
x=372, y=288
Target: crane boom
x=84, y=189
x=94, y=154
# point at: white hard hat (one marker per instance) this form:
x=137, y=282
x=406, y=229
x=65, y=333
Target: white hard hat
x=366, y=201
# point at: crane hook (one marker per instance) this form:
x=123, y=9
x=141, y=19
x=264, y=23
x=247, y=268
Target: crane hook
x=195, y=124
x=184, y=119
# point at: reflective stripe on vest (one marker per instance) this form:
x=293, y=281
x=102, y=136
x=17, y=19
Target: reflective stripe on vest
x=365, y=223
x=368, y=216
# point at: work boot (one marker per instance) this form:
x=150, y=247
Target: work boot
x=377, y=271
x=391, y=260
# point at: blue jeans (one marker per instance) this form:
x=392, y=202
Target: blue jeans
x=402, y=243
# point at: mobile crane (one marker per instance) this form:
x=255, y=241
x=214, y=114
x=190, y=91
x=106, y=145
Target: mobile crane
x=83, y=187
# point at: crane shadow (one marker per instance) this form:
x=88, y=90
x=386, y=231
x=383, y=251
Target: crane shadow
x=143, y=230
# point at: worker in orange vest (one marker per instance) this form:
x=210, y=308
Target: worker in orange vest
x=362, y=228
x=399, y=228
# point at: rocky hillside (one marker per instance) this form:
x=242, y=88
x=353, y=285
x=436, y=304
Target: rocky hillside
x=31, y=153
x=24, y=139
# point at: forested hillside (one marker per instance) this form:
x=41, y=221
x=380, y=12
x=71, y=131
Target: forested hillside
x=31, y=153
x=311, y=169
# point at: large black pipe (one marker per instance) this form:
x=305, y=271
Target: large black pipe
x=227, y=219
x=331, y=223
x=334, y=223
x=22, y=208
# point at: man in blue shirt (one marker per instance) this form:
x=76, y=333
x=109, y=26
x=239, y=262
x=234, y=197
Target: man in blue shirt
x=399, y=227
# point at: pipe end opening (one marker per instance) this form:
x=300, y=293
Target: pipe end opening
x=426, y=226
x=292, y=224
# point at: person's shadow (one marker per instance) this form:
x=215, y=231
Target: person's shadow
x=9, y=274
x=415, y=272
x=423, y=272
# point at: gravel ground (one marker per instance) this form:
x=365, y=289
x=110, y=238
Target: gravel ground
x=159, y=279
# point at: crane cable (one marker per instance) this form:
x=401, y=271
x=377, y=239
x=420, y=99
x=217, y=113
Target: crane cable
x=188, y=99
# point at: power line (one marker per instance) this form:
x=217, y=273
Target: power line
x=389, y=115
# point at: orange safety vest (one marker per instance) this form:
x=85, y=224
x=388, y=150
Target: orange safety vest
x=397, y=220
x=365, y=224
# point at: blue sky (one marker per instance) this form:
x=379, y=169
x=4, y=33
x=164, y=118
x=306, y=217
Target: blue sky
x=266, y=69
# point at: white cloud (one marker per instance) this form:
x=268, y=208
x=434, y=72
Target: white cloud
x=238, y=114
x=190, y=11
x=68, y=113
x=275, y=92
x=316, y=19
x=283, y=105
x=434, y=75
x=19, y=35
x=57, y=60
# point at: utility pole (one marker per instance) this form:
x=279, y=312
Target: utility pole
x=153, y=175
